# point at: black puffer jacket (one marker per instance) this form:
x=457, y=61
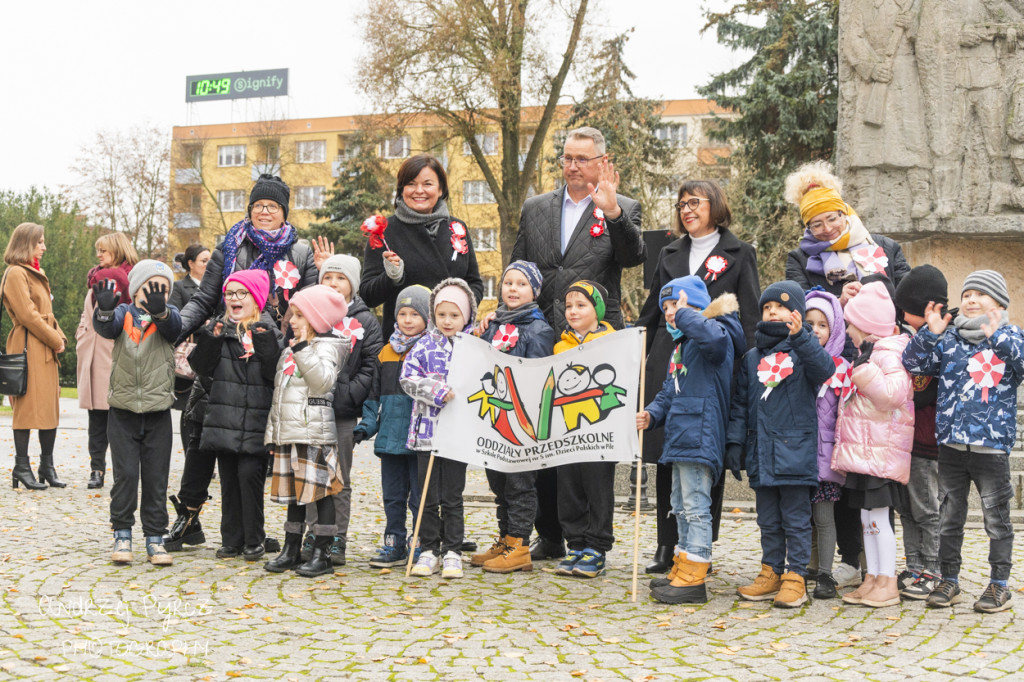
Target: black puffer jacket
x=599, y=258
x=355, y=380
x=240, y=390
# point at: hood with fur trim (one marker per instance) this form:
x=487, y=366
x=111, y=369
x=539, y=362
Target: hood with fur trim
x=461, y=283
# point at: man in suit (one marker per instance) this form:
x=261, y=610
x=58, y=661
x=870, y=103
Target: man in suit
x=584, y=230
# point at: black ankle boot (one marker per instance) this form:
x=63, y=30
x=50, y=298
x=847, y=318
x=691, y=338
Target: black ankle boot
x=22, y=473
x=289, y=557
x=96, y=481
x=186, y=529
x=320, y=563
x=662, y=560
x=48, y=473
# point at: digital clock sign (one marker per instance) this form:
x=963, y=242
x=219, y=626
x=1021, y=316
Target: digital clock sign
x=239, y=85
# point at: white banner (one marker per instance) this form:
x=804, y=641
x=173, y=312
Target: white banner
x=513, y=414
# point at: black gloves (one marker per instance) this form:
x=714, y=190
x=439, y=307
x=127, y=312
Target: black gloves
x=358, y=435
x=105, y=295
x=155, y=300
x=865, y=354
x=259, y=327
x=734, y=459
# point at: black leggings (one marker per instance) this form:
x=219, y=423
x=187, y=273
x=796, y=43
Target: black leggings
x=47, y=437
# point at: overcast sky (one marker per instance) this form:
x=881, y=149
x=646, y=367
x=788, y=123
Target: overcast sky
x=70, y=68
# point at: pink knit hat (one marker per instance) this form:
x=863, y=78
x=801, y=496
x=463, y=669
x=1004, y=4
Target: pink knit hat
x=454, y=294
x=322, y=306
x=872, y=311
x=257, y=282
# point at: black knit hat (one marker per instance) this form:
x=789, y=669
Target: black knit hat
x=788, y=294
x=922, y=284
x=273, y=188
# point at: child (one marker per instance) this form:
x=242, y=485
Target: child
x=772, y=425
x=874, y=433
x=520, y=330
x=140, y=399
x=236, y=357
x=355, y=380
x=693, y=405
x=424, y=374
x=980, y=361
x=586, y=490
x=387, y=414
x=825, y=316
x=919, y=502
x=301, y=428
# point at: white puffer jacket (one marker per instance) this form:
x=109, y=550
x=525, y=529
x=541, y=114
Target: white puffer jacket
x=302, y=411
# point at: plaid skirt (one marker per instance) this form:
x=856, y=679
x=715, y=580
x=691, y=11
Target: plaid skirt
x=305, y=473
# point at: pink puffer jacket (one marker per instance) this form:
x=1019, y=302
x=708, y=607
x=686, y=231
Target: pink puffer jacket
x=875, y=429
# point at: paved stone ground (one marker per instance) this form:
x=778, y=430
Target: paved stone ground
x=67, y=612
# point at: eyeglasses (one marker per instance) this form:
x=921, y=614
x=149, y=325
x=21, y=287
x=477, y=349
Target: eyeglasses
x=831, y=221
x=272, y=209
x=237, y=295
x=693, y=203
x=580, y=162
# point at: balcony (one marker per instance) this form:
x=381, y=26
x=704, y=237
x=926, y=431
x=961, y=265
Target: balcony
x=187, y=176
x=187, y=221
x=259, y=169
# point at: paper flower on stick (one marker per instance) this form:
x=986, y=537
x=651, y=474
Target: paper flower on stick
x=373, y=227
x=986, y=369
x=459, y=244
x=772, y=370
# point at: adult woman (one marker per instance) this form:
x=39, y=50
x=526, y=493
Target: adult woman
x=26, y=294
x=115, y=257
x=264, y=240
x=836, y=252
x=708, y=249
x=193, y=261
x=426, y=244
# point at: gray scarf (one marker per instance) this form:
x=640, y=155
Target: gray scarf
x=970, y=327
x=431, y=221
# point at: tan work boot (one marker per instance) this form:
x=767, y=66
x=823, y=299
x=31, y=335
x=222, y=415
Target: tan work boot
x=793, y=592
x=491, y=552
x=662, y=582
x=687, y=587
x=516, y=557
x=884, y=593
x=857, y=596
x=765, y=586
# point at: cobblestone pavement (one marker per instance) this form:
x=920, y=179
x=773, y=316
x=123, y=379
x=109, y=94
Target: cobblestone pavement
x=67, y=612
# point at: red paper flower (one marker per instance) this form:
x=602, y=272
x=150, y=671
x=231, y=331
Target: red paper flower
x=286, y=274
x=350, y=328
x=871, y=261
x=506, y=338
x=373, y=227
x=246, y=345
x=288, y=368
x=715, y=266
x=597, y=229
x=458, y=240
x=840, y=381
x=986, y=369
x=772, y=370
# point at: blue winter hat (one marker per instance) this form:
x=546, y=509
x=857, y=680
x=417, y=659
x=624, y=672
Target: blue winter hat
x=696, y=292
x=530, y=271
x=787, y=293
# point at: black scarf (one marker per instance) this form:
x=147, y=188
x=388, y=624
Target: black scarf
x=769, y=334
x=523, y=313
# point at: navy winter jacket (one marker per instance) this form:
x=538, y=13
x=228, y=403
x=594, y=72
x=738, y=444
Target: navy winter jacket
x=536, y=338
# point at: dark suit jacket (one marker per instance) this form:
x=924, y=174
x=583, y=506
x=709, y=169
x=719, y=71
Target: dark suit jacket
x=599, y=259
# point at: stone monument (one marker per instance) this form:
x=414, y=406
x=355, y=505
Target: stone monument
x=930, y=141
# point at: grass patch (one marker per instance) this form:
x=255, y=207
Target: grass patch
x=65, y=392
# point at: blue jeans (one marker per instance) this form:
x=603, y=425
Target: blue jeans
x=691, y=503
x=400, y=486
x=784, y=517
x=991, y=475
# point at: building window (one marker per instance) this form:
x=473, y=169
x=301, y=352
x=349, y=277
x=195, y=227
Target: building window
x=309, y=197
x=485, y=239
x=395, y=147
x=476, y=192
x=231, y=200
x=231, y=155
x=490, y=285
x=195, y=203
x=488, y=144
x=673, y=135
x=311, y=151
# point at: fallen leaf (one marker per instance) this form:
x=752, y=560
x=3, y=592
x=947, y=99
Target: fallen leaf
x=578, y=673
x=779, y=646
x=737, y=510
x=410, y=598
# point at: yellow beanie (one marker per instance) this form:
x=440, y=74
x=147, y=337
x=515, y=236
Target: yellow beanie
x=818, y=200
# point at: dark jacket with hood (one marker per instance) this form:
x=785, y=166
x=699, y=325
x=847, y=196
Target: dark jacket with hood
x=355, y=380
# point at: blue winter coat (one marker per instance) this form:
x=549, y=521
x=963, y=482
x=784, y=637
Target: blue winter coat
x=695, y=412
x=780, y=433
x=386, y=413
x=536, y=337
x=963, y=415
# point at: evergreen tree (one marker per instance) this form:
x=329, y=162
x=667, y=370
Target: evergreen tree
x=786, y=96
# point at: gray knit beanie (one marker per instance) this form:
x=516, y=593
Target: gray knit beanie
x=347, y=265
x=416, y=297
x=145, y=269
x=987, y=282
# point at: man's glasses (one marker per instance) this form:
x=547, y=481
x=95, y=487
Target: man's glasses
x=580, y=162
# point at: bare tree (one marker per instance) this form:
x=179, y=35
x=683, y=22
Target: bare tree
x=123, y=185
x=466, y=62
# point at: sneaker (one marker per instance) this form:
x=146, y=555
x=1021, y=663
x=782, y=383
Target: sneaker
x=905, y=579
x=337, y=552
x=995, y=598
x=393, y=554
x=425, y=565
x=945, y=594
x=307, y=547
x=122, y=553
x=846, y=575
x=825, y=586
x=452, y=565
x=920, y=588
x=566, y=565
x=590, y=564
x=158, y=555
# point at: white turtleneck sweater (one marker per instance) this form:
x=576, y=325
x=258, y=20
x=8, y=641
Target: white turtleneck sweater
x=701, y=248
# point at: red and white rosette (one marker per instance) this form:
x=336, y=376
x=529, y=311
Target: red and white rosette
x=246, y=345
x=506, y=338
x=349, y=328
x=288, y=368
x=715, y=266
x=597, y=229
x=459, y=244
x=286, y=276
x=871, y=261
x=840, y=381
x=986, y=369
x=772, y=370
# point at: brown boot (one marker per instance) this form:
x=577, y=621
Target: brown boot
x=857, y=596
x=793, y=592
x=687, y=587
x=662, y=582
x=884, y=593
x=491, y=552
x=516, y=557
x=765, y=586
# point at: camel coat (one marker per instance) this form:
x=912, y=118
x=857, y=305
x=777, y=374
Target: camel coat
x=94, y=358
x=26, y=295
